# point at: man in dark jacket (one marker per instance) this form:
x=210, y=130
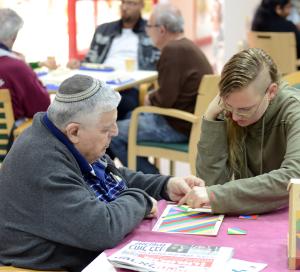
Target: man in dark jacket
x=115, y=42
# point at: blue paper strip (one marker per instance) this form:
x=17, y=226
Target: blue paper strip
x=104, y=69
x=52, y=87
x=119, y=82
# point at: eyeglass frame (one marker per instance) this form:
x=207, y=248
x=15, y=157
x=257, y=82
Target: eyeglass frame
x=151, y=26
x=129, y=3
x=245, y=115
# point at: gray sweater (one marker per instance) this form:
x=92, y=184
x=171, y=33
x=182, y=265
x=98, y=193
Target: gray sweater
x=50, y=218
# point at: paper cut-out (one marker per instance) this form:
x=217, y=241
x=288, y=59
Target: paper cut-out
x=236, y=231
x=176, y=219
x=249, y=217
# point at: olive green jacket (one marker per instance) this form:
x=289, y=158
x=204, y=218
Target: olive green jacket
x=254, y=191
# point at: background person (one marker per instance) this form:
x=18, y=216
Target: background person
x=294, y=15
x=115, y=42
x=27, y=92
x=180, y=69
x=271, y=16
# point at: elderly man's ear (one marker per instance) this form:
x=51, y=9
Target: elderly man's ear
x=72, y=131
x=162, y=30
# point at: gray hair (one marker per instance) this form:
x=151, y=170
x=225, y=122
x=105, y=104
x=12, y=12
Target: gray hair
x=10, y=24
x=62, y=112
x=169, y=17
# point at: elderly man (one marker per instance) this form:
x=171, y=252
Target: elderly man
x=180, y=69
x=63, y=201
x=117, y=41
x=27, y=92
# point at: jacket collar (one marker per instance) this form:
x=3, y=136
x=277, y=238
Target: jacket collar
x=6, y=52
x=85, y=167
x=139, y=27
x=4, y=47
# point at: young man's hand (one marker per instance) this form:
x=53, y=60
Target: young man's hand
x=196, y=198
x=178, y=187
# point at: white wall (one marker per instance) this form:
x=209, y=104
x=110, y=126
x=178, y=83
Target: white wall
x=237, y=22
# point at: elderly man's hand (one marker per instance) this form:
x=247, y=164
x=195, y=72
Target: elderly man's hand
x=196, y=198
x=153, y=212
x=178, y=187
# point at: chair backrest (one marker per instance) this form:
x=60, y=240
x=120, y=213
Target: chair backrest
x=281, y=46
x=208, y=89
x=293, y=79
x=6, y=120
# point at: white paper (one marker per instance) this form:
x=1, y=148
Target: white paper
x=100, y=264
x=244, y=266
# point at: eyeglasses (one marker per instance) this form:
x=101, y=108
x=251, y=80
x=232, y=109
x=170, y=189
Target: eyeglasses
x=245, y=113
x=129, y=3
x=151, y=26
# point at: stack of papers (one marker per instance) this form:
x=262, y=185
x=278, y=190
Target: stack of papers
x=157, y=257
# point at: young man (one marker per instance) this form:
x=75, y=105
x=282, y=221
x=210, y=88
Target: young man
x=250, y=145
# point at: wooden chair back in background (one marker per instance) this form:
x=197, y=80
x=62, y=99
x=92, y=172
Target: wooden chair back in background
x=293, y=79
x=281, y=46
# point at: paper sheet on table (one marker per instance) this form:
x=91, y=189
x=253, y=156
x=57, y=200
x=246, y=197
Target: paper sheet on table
x=100, y=264
x=244, y=266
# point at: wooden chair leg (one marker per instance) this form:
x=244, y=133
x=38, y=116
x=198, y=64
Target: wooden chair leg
x=172, y=168
x=157, y=163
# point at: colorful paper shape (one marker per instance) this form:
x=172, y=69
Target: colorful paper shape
x=176, y=219
x=206, y=209
x=249, y=217
x=236, y=231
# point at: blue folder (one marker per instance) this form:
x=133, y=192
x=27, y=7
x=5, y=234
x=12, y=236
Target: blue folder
x=52, y=87
x=119, y=82
x=102, y=69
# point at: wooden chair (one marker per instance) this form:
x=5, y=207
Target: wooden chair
x=7, y=123
x=144, y=89
x=293, y=79
x=185, y=152
x=281, y=46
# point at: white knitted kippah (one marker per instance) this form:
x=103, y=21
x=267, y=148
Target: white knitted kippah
x=78, y=88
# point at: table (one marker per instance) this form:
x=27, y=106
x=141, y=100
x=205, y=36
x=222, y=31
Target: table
x=265, y=242
x=119, y=80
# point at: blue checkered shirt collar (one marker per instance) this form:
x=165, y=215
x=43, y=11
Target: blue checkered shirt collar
x=105, y=184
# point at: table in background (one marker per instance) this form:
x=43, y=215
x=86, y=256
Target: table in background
x=265, y=241
x=118, y=80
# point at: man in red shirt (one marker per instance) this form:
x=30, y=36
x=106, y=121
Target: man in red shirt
x=27, y=92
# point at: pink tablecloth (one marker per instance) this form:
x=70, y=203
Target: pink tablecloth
x=265, y=242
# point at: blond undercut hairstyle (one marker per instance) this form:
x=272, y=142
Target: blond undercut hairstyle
x=238, y=73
